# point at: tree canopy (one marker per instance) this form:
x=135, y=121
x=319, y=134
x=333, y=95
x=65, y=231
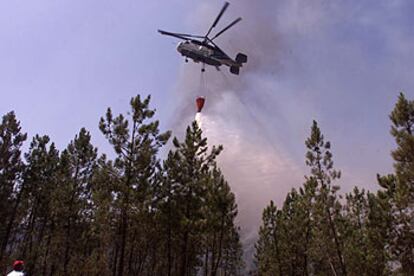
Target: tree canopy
x=77, y=212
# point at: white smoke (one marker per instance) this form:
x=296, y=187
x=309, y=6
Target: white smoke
x=297, y=70
x=245, y=113
x=257, y=169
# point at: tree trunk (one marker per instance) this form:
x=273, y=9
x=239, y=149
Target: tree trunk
x=45, y=262
x=10, y=223
x=169, y=238
x=214, y=272
x=69, y=221
x=206, y=261
x=305, y=256
x=124, y=232
x=184, y=260
x=337, y=244
x=67, y=246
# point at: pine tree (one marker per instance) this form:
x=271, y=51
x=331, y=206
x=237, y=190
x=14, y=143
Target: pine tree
x=198, y=210
x=355, y=244
x=307, y=221
x=11, y=169
x=233, y=263
x=296, y=231
x=73, y=205
x=328, y=255
x=220, y=233
x=378, y=223
x=400, y=187
x=268, y=252
x=366, y=233
x=187, y=169
x=40, y=187
x=285, y=236
x=136, y=143
x=168, y=219
x=104, y=224
x=305, y=236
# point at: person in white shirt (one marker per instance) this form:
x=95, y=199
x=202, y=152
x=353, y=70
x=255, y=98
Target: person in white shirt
x=18, y=267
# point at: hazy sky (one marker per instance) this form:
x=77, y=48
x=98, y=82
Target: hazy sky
x=343, y=63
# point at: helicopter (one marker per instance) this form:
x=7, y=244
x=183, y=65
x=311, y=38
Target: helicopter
x=203, y=49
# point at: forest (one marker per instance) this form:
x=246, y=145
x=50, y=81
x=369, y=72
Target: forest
x=77, y=212
x=318, y=231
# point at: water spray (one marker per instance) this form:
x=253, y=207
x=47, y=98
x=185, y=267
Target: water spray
x=199, y=104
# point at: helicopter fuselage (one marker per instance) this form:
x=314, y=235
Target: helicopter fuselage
x=205, y=53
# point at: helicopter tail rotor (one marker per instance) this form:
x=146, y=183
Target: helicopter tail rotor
x=241, y=58
x=235, y=70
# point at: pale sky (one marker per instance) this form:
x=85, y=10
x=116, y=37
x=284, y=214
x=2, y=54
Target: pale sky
x=343, y=63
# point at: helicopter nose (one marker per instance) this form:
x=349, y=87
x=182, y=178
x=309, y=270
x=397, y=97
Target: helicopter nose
x=179, y=47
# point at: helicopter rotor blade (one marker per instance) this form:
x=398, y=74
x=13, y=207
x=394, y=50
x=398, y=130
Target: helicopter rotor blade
x=178, y=35
x=226, y=5
x=228, y=27
x=172, y=34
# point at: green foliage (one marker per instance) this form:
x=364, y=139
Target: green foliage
x=327, y=244
x=199, y=209
x=317, y=233
x=136, y=142
x=399, y=188
x=39, y=200
x=364, y=234
x=11, y=170
x=267, y=256
x=77, y=213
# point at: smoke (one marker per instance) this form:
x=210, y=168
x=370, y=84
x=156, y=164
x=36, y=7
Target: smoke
x=249, y=114
x=257, y=169
x=263, y=116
